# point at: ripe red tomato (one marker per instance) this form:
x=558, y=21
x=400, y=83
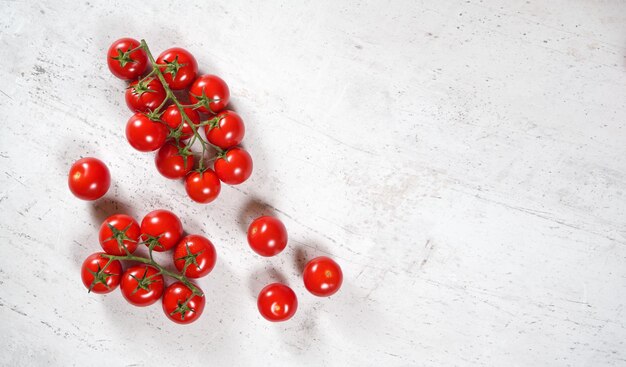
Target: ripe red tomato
x=144, y=134
x=229, y=132
x=322, y=276
x=174, y=304
x=97, y=276
x=89, y=179
x=277, y=302
x=162, y=224
x=123, y=64
x=203, y=187
x=198, y=252
x=267, y=236
x=170, y=163
x=234, y=167
x=119, y=231
x=181, y=67
x=145, y=96
x=211, y=90
x=172, y=117
x=142, y=285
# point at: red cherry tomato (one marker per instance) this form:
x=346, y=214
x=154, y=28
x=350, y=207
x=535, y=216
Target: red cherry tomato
x=99, y=277
x=172, y=117
x=211, y=90
x=181, y=67
x=234, y=167
x=267, y=236
x=123, y=64
x=196, y=251
x=277, y=302
x=229, y=131
x=89, y=179
x=144, y=134
x=322, y=276
x=142, y=285
x=170, y=163
x=174, y=304
x=162, y=224
x=203, y=187
x=119, y=231
x=145, y=96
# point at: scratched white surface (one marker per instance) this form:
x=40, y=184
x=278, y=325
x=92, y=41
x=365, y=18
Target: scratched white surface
x=465, y=162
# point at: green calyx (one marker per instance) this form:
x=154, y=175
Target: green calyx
x=189, y=258
x=143, y=282
x=172, y=67
x=120, y=236
x=142, y=87
x=99, y=277
x=123, y=57
x=205, y=101
x=183, y=308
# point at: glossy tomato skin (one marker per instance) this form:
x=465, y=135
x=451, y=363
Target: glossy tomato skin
x=89, y=178
x=142, y=285
x=229, y=131
x=144, y=134
x=147, y=100
x=109, y=276
x=162, y=223
x=198, y=247
x=121, y=222
x=322, y=276
x=182, y=67
x=172, y=117
x=134, y=65
x=203, y=187
x=213, y=88
x=267, y=236
x=277, y=302
x=235, y=167
x=170, y=163
x=175, y=295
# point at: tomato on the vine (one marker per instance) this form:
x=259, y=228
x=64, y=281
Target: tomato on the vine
x=144, y=134
x=146, y=95
x=142, y=285
x=228, y=132
x=181, y=67
x=172, y=117
x=124, y=64
x=119, y=231
x=267, y=236
x=99, y=277
x=203, y=187
x=277, y=302
x=164, y=225
x=322, y=276
x=181, y=305
x=89, y=178
x=212, y=91
x=170, y=163
x=234, y=166
x=197, y=254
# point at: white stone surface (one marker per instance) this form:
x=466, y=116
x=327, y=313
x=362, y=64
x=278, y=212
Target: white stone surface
x=465, y=162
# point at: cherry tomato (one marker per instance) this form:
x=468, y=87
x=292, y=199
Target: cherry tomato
x=172, y=117
x=203, y=187
x=322, y=276
x=267, y=236
x=229, y=132
x=162, y=224
x=123, y=64
x=198, y=252
x=97, y=276
x=170, y=163
x=277, y=302
x=89, y=179
x=119, y=231
x=181, y=67
x=212, y=91
x=234, y=167
x=144, y=134
x=142, y=285
x=174, y=304
x=145, y=96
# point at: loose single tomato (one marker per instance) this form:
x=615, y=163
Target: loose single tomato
x=100, y=275
x=277, y=302
x=181, y=67
x=181, y=305
x=203, y=187
x=172, y=117
x=89, y=178
x=164, y=225
x=228, y=132
x=119, y=231
x=145, y=96
x=234, y=167
x=267, y=236
x=322, y=276
x=174, y=161
x=125, y=64
x=144, y=134
x=196, y=253
x=212, y=91
x=142, y=285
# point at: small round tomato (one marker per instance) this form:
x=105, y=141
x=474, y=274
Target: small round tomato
x=196, y=253
x=142, y=285
x=181, y=305
x=164, y=225
x=267, y=236
x=89, y=179
x=144, y=134
x=229, y=131
x=234, y=167
x=124, y=64
x=119, y=231
x=277, y=302
x=181, y=67
x=203, y=187
x=145, y=96
x=212, y=91
x=322, y=276
x=170, y=163
x=99, y=277
x=172, y=117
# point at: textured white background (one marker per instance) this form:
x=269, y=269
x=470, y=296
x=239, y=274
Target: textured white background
x=465, y=162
